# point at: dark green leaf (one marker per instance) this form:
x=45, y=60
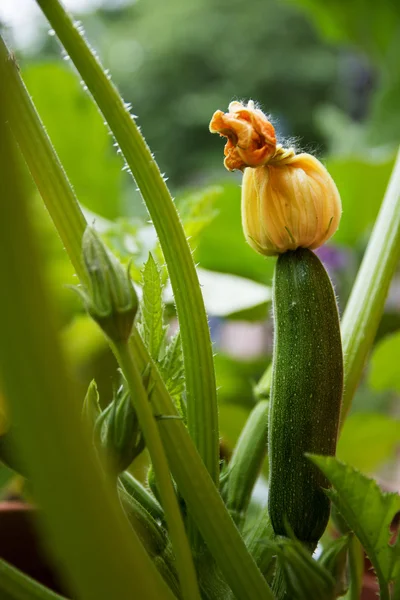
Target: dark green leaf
x=368, y=512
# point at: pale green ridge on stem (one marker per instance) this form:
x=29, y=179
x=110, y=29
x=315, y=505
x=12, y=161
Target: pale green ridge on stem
x=184, y=562
x=100, y=555
x=202, y=413
x=367, y=299
x=214, y=521
x=15, y=585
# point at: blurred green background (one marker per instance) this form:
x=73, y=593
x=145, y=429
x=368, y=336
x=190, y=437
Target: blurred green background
x=329, y=75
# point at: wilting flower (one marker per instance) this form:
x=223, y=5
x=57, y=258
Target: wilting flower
x=289, y=200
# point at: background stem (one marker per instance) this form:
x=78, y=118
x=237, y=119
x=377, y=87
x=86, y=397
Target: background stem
x=367, y=299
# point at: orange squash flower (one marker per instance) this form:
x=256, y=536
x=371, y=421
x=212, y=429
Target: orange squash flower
x=289, y=200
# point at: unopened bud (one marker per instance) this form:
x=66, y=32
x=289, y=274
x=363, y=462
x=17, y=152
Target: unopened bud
x=289, y=200
x=91, y=405
x=110, y=297
x=118, y=433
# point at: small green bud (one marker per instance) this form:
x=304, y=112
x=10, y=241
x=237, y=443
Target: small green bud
x=110, y=297
x=118, y=433
x=91, y=406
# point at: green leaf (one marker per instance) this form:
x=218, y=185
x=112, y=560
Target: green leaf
x=151, y=323
x=367, y=440
x=368, y=512
x=384, y=367
x=79, y=136
x=172, y=369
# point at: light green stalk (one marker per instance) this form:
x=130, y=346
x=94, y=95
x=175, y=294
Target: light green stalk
x=199, y=492
x=83, y=521
x=202, y=414
x=367, y=300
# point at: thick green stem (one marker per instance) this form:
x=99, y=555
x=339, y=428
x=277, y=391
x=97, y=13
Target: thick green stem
x=83, y=521
x=246, y=462
x=365, y=305
x=215, y=523
x=185, y=566
x=15, y=585
x=38, y=153
x=202, y=414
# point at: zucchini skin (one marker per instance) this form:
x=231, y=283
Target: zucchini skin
x=306, y=394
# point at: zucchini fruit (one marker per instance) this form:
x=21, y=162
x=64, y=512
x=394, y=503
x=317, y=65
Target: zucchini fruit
x=306, y=394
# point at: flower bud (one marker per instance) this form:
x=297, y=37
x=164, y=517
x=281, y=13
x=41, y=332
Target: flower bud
x=110, y=297
x=289, y=200
x=91, y=405
x=118, y=433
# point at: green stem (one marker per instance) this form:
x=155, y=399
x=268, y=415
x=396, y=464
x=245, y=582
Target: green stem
x=366, y=303
x=83, y=521
x=202, y=413
x=15, y=585
x=38, y=153
x=185, y=566
x=217, y=527
x=246, y=462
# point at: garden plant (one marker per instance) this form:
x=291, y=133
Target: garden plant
x=191, y=530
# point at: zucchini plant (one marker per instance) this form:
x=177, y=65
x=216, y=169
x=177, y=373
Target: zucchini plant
x=188, y=530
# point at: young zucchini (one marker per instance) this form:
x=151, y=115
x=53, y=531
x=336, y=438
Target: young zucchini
x=306, y=394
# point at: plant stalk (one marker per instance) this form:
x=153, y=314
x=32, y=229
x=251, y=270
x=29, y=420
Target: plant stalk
x=367, y=299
